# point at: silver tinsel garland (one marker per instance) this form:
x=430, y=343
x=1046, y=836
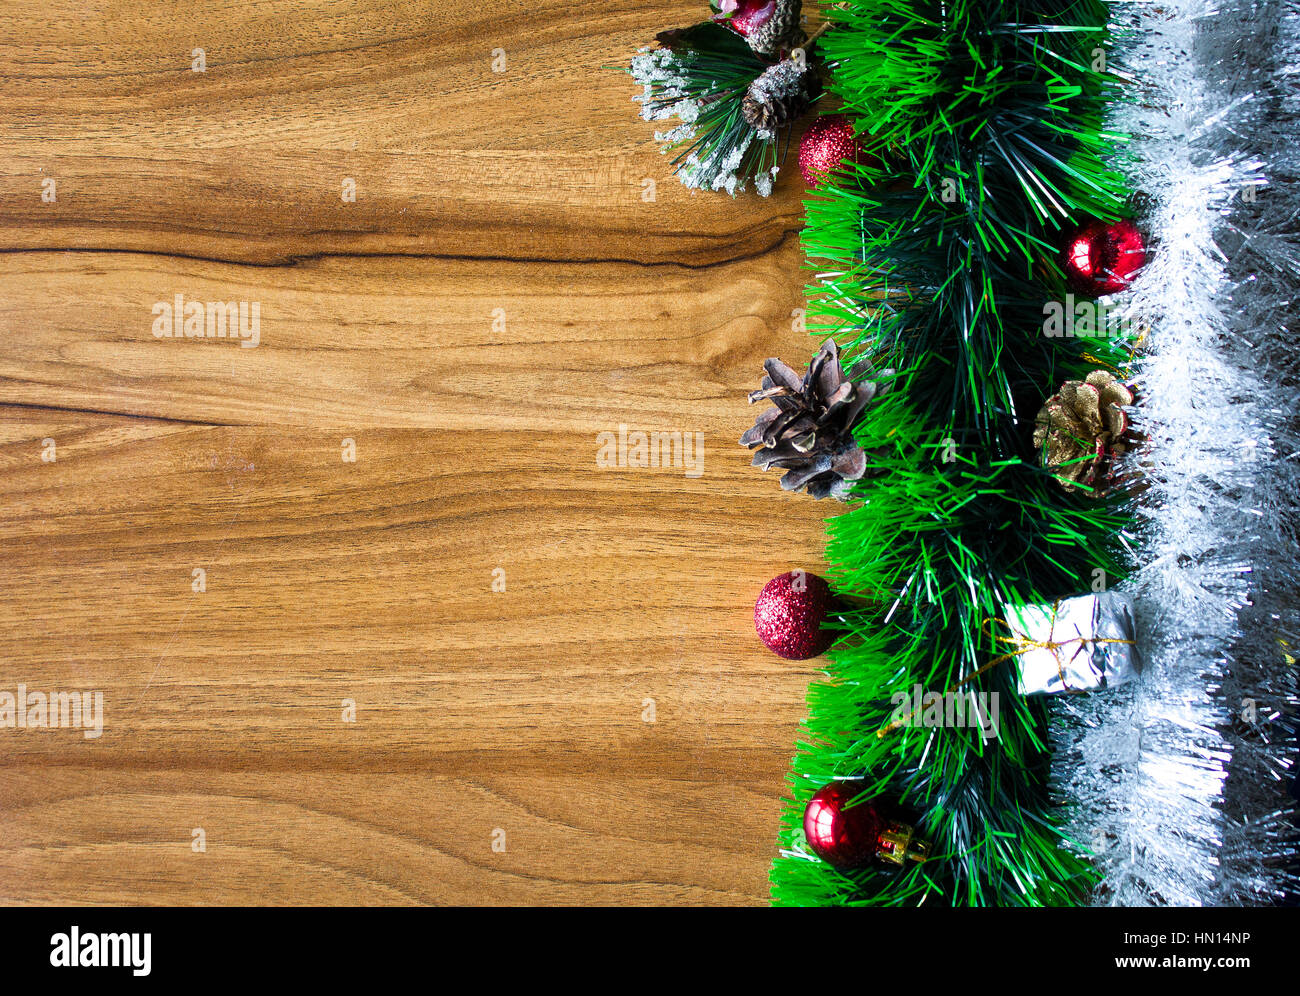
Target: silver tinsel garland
x=1180, y=783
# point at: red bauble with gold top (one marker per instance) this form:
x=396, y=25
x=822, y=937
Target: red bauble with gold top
x=848, y=834
x=1103, y=258
x=842, y=835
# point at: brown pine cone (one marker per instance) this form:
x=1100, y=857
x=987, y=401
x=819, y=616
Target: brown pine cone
x=770, y=26
x=809, y=433
x=779, y=32
x=779, y=95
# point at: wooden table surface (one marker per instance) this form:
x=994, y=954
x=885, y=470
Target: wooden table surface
x=606, y=729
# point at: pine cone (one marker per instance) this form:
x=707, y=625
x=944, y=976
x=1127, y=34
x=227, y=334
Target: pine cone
x=779, y=95
x=809, y=433
x=780, y=31
x=770, y=26
x=1083, y=429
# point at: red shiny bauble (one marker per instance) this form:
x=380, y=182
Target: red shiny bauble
x=789, y=615
x=842, y=835
x=828, y=143
x=1101, y=258
x=745, y=15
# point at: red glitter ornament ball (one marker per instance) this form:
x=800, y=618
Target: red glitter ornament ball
x=828, y=143
x=841, y=835
x=1101, y=258
x=789, y=615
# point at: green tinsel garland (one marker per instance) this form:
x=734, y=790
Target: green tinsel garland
x=987, y=115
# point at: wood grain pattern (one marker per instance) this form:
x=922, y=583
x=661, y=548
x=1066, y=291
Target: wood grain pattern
x=498, y=295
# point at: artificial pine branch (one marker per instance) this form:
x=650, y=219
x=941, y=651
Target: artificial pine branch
x=701, y=76
x=987, y=115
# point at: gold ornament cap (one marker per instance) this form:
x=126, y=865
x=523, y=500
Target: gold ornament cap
x=898, y=845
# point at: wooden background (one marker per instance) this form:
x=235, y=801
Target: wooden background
x=521, y=711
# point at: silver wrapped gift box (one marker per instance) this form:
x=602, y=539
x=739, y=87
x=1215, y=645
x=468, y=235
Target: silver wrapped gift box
x=1078, y=644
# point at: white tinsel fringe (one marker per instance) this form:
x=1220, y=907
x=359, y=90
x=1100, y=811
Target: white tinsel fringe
x=1179, y=781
